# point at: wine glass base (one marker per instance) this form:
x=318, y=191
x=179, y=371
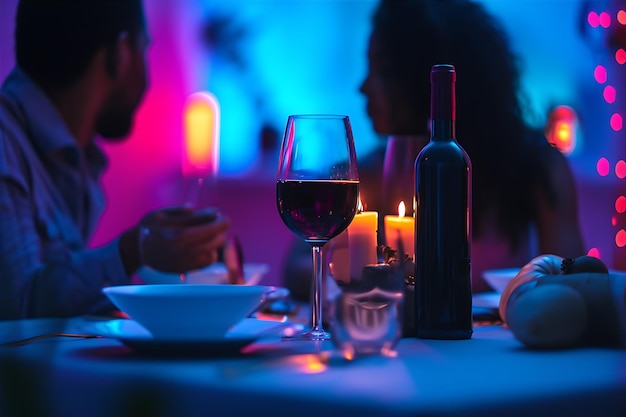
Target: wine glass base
x=314, y=335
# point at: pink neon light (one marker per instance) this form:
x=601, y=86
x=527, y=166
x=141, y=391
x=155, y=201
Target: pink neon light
x=602, y=167
x=616, y=122
x=613, y=220
x=620, y=169
x=620, y=238
x=621, y=17
x=594, y=252
x=593, y=19
x=620, y=204
x=609, y=94
x=620, y=56
x=599, y=73
x=605, y=20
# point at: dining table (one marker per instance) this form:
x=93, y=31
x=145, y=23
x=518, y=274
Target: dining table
x=490, y=374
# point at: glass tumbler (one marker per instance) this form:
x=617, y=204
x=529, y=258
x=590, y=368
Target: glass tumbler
x=367, y=311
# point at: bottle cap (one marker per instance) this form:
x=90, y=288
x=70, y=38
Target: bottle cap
x=442, y=99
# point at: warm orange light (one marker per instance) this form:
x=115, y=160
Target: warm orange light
x=400, y=229
x=401, y=209
x=563, y=133
x=561, y=128
x=202, y=133
x=361, y=245
x=309, y=363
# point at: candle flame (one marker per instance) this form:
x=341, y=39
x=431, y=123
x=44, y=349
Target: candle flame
x=401, y=209
x=359, y=208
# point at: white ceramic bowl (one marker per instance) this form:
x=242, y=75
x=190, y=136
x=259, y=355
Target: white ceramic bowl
x=187, y=312
x=212, y=274
x=499, y=278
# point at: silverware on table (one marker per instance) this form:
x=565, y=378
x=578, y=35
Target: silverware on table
x=28, y=340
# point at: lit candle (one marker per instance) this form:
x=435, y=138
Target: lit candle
x=362, y=241
x=400, y=227
x=356, y=247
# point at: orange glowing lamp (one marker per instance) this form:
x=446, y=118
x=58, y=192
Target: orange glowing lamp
x=561, y=129
x=202, y=135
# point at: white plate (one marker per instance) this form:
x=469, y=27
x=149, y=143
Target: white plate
x=133, y=335
x=212, y=274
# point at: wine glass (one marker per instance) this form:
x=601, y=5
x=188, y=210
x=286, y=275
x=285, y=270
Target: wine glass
x=317, y=190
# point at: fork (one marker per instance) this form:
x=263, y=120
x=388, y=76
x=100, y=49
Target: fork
x=22, y=342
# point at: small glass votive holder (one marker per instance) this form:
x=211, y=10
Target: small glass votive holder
x=367, y=312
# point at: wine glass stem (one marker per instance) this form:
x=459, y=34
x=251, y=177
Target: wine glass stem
x=317, y=290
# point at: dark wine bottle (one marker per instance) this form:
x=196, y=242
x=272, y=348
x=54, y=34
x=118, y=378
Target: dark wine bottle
x=443, y=293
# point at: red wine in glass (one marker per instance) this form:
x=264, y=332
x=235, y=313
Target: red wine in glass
x=317, y=211
x=317, y=190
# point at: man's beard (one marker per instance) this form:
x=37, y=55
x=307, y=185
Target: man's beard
x=115, y=125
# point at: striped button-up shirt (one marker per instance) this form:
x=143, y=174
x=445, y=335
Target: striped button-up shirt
x=50, y=203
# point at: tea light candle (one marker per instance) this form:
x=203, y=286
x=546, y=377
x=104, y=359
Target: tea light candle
x=400, y=227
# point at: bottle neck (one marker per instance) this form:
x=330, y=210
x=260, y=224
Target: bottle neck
x=443, y=130
x=442, y=103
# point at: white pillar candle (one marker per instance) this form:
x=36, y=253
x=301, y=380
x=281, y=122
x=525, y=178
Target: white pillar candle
x=362, y=242
x=355, y=247
x=401, y=228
